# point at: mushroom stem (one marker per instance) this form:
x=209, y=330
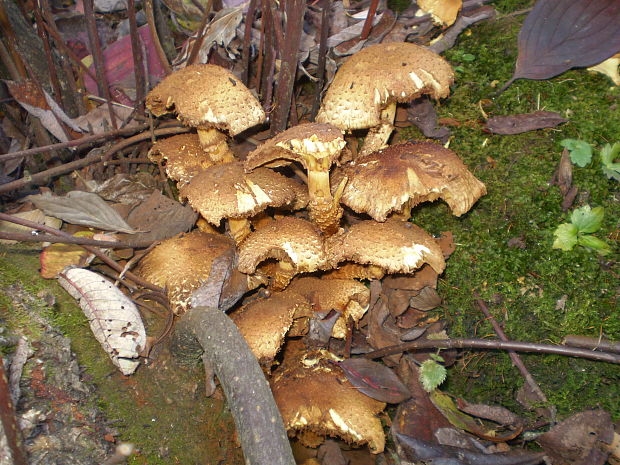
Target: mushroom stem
x=213, y=142
x=283, y=275
x=377, y=137
x=324, y=209
x=239, y=228
x=318, y=184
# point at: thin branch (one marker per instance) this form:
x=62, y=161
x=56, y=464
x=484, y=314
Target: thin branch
x=57, y=93
x=150, y=19
x=494, y=345
x=369, y=18
x=94, y=250
x=44, y=176
x=30, y=237
x=200, y=37
x=247, y=41
x=320, y=73
x=138, y=58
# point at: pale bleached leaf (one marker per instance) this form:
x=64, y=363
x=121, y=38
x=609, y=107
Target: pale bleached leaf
x=83, y=208
x=114, y=319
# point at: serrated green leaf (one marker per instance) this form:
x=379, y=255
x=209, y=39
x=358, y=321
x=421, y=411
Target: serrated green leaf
x=565, y=237
x=432, y=374
x=612, y=171
x=594, y=243
x=587, y=220
x=580, y=151
x=437, y=358
x=608, y=154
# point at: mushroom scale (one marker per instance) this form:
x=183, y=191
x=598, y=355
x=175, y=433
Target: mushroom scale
x=408, y=174
x=396, y=246
x=183, y=157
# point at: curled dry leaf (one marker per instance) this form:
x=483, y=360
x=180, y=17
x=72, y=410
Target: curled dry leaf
x=523, y=122
x=114, y=319
x=83, y=208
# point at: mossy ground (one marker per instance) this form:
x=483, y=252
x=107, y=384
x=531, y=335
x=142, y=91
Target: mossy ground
x=525, y=284
x=162, y=409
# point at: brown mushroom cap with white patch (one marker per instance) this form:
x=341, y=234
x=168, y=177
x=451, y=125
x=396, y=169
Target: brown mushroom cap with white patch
x=207, y=96
x=182, y=264
x=379, y=75
x=348, y=297
x=264, y=323
x=295, y=243
x=315, y=397
x=227, y=191
x=410, y=173
x=396, y=246
x=183, y=156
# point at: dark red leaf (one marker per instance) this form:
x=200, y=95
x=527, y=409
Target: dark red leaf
x=559, y=35
x=375, y=380
x=524, y=122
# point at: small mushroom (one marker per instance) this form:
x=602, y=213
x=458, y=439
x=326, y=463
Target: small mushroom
x=181, y=155
x=443, y=12
x=408, y=174
x=348, y=297
x=264, y=323
x=368, y=85
x=316, y=147
x=395, y=246
x=296, y=245
x=227, y=191
x=316, y=400
x=211, y=99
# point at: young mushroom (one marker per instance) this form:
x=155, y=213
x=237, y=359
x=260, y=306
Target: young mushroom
x=296, y=245
x=211, y=99
x=408, y=174
x=367, y=87
x=316, y=147
x=227, y=191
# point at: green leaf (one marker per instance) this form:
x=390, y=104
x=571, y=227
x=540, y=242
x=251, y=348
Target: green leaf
x=432, y=374
x=586, y=219
x=608, y=154
x=580, y=151
x=595, y=243
x=468, y=57
x=565, y=237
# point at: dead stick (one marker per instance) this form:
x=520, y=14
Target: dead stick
x=138, y=59
x=516, y=360
x=200, y=35
x=494, y=345
x=320, y=73
x=72, y=143
x=247, y=41
x=94, y=250
x=150, y=19
x=98, y=60
x=43, y=176
x=8, y=422
x=30, y=237
x=368, y=23
x=48, y=55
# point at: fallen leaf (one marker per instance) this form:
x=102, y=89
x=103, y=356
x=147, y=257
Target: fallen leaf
x=422, y=114
x=84, y=208
x=524, y=122
x=36, y=216
x=580, y=439
x=375, y=380
x=443, y=12
x=57, y=257
x=558, y=35
x=426, y=300
x=114, y=319
x=497, y=414
x=126, y=189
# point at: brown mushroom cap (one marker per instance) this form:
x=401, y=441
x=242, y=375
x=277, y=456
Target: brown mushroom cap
x=226, y=191
x=182, y=264
x=207, y=96
x=347, y=296
x=396, y=246
x=292, y=240
x=184, y=156
x=264, y=323
x=382, y=182
x=381, y=74
x=315, y=397
x=299, y=143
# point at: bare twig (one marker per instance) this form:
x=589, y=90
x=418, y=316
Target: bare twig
x=57, y=93
x=368, y=23
x=200, y=37
x=7, y=419
x=30, y=237
x=494, y=345
x=43, y=176
x=247, y=41
x=98, y=60
x=94, y=250
x=320, y=73
x=138, y=58
x=150, y=19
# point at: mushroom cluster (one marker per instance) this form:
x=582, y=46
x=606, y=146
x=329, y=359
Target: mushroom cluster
x=295, y=239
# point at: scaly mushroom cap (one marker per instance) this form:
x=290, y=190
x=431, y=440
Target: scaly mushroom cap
x=206, y=96
x=226, y=191
x=355, y=271
x=264, y=323
x=315, y=397
x=291, y=240
x=444, y=12
x=348, y=297
x=396, y=246
x=379, y=75
x=183, y=156
x=299, y=143
x=182, y=264
x=382, y=182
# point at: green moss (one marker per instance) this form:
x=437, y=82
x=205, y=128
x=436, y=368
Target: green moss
x=528, y=282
